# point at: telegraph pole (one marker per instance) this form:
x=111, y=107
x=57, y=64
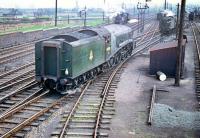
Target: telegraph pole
x=104, y=10
x=141, y=11
x=56, y=12
x=179, y=48
x=177, y=21
x=85, y=17
x=165, y=6
x=138, y=21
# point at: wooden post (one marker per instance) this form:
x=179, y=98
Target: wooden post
x=179, y=48
x=103, y=15
x=177, y=21
x=85, y=17
x=165, y=5
x=138, y=21
x=68, y=18
x=56, y=7
x=152, y=105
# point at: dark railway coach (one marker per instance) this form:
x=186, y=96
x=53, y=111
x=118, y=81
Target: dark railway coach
x=67, y=61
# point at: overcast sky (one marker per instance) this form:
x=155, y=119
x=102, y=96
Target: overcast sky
x=72, y=3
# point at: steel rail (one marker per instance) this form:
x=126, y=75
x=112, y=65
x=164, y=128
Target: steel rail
x=31, y=77
x=152, y=28
x=25, y=86
x=11, y=112
x=14, y=58
x=16, y=77
x=23, y=101
x=17, y=69
x=32, y=118
x=62, y=132
x=136, y=27
x=146, y=34
x=6, y=52
x=144, y=42
x=105, y=91
x=104, y=94
x=149, y=33
x=13, y=48
x=3, y=57
x=196, y=42
x=72, y=111
x=198, y=59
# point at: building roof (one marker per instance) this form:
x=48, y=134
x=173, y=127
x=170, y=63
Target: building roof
x=166, y=45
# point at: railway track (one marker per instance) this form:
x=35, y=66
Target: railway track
x=14, y=53
x=16, y=85
x=19, y=116
x=17, y=121
x=17, y=76
x=147, y=35
x=5, y=57
x=92, y=113
x=12, y=98
x=8, y=50
x=81, y=120
x=151, y=37
x=196, y=34
x=136, y=27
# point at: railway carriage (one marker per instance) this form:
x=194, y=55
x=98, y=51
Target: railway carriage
x=67, y=61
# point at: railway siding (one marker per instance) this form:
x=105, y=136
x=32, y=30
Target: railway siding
x=196, y=34
x=24, y=37
x=18, y=115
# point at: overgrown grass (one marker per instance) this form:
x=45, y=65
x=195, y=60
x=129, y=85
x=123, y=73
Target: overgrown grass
x=27, y=27
x=96, y=22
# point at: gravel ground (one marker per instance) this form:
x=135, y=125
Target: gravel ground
x=166, y=116
x=174, y=115
x=133, y=100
